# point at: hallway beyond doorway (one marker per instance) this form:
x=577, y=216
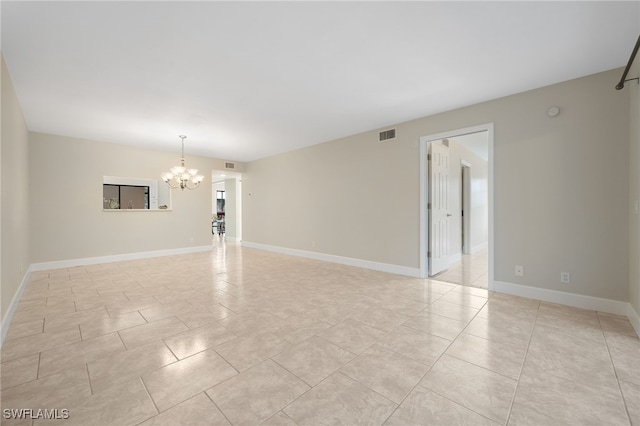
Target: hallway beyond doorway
x=472, y=270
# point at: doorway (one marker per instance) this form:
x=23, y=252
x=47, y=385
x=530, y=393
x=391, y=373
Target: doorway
x=226, y=206
x=470, y=223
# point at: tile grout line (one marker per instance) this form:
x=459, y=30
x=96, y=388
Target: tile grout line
x=225, y=360
x=391, y=350
x=214, y=403
x=515, y=391
x=86, y=366
x=444, y=352
x=295, y=375
x=311, y=388
x=172, y=353
x=398, y=405
x=121, y=340
x=38, y=367
x=457, y=403
x=82, y=339
x=615, y=372
x=150, y=397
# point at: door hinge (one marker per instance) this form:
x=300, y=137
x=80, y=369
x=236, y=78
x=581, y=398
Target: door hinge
x=428, y=206
x=429, y=254
x=428, y=157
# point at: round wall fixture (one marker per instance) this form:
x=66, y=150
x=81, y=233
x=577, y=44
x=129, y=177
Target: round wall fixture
x=553, y=111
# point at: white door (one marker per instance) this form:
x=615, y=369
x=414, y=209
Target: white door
x=439, y=208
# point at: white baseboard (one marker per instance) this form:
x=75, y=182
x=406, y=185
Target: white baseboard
x=634, y=318
x=563, y=298
x=367, y=264
x=43, y=266
x=479, y=247
x=6, y=321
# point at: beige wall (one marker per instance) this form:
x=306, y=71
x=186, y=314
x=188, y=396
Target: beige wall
x=14, y=255
x=560, y=200
x=78, y=228
x=352, y=197
x=231, y=210
x=633, y=88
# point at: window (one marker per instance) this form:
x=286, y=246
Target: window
x=125, y=196
x=135, y=194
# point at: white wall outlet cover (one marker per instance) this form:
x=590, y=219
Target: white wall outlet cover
x=553, y=111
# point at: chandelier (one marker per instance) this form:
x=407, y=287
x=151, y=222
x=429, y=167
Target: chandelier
x=180, y=176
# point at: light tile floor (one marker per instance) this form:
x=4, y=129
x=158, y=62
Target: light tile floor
x=471, y=270
x=241, y=336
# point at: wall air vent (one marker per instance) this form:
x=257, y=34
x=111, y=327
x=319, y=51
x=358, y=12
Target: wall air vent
x=386, y=135
x=229, y=165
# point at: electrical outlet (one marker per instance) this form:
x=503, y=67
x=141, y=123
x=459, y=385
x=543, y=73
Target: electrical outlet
x=565, y=277
x=519, y=271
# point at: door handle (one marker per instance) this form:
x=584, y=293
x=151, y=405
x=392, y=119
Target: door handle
x=449, y=214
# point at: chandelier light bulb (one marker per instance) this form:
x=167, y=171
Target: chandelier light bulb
x=177, y=170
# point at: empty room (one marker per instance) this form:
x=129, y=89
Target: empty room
x=320, y=213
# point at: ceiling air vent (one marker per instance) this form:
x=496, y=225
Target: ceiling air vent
x=386, y=135
x=229, y=165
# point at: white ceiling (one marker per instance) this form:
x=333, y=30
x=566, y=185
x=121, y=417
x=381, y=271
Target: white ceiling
x=245, y=80
x=218, y=176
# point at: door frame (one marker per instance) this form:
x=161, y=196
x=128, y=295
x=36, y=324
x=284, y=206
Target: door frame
x=424, y=187
x=465, y=206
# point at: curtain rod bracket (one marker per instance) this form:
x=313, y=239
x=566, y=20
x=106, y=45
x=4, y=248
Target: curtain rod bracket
x=620, y=85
